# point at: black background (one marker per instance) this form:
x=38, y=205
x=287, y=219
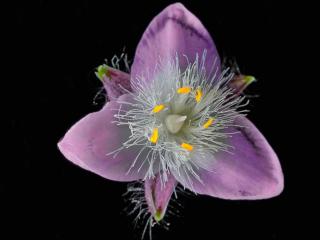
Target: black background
x=57, y=46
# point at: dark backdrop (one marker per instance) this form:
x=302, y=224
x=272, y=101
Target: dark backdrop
x=57, y=46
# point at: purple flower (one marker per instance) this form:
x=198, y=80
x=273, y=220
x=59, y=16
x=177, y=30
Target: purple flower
x=176, y=118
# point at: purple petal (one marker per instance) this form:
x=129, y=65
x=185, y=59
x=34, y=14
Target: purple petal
x=158, y=196
x=252, y=171
x=116, y=83
x=174, y=30
x=89, y=141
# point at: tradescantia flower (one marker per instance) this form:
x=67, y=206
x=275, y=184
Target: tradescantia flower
x=177, y=117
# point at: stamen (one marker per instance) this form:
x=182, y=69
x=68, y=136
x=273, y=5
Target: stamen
x=158, y=108
x=187, y=146
x=154, y=136
x=184, y=90
x=208, y=123
x=198, y=95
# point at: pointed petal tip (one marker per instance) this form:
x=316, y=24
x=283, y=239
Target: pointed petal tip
x=158, y=195
x=176, y=8
x=88, y=142
x=177, y=5
x=159, y=214
x=68, y=152
x=262, y=157
x=115, y=82
x=174, y=31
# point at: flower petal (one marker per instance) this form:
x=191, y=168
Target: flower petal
x=252, y=171
x=89, y=141
x=174, y=31
x=158, y=195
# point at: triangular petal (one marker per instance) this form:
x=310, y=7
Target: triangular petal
x=252, y=171
x=174, y=31
x=89, y=141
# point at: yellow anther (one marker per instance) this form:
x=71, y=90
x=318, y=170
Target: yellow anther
x=208, y=123
x=184, y=90
x=154, y=136
x=187, y=146
x=158, y=108
x=198, y=95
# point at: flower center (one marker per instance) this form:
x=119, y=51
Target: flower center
x=179, y=117
x=174, y=122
